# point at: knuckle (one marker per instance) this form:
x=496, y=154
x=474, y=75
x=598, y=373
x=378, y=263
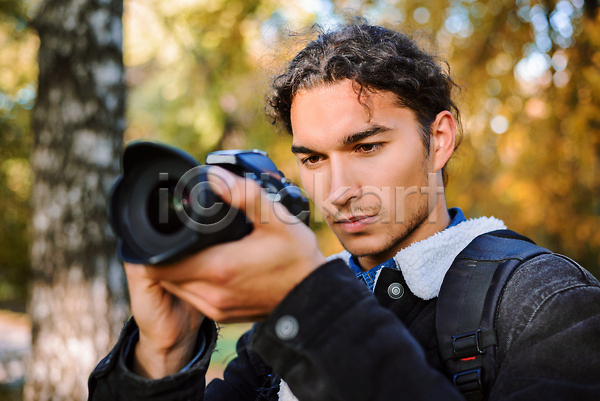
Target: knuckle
x=252, y=183
x=221, y=276
x=251, y=189
x=255, y=189
x=219, y=316
x=153, y=273
x=212, y=313
x=217, y=312
x=219, y=272
x=220, y=301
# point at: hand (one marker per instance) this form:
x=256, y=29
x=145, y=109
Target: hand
x=168, y=326
x=245, y=280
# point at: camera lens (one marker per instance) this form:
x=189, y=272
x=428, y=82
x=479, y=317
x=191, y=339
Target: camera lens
x=163, y=205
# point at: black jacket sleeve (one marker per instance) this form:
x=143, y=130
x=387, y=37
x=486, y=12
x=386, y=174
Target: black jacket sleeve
x=549, y=333
x=113, y=380
x=331, y=340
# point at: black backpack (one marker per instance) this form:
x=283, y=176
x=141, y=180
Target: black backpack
x=468, y=304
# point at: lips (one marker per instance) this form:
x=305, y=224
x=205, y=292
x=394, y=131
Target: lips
x=355, y=224
x=352, y=219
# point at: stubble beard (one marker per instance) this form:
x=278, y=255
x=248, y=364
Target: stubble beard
x=394, y=238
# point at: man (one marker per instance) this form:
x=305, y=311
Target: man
x=373, y=127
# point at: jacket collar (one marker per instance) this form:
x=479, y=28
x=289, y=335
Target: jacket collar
x=425, y=263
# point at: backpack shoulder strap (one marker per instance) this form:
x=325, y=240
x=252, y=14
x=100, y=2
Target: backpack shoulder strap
x=467, y=306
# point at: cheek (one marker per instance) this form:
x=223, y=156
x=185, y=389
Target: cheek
x=407, y=172
x=307, y=182
x=314, y=183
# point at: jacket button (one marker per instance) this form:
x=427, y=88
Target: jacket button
x=395, y=290
x=286, y=328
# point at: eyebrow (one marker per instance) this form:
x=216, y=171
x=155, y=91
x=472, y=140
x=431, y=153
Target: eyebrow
x=349, y=140
x=302, y=149
x=359, y=136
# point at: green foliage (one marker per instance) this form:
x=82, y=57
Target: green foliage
x=18, y=71
x=194, y=82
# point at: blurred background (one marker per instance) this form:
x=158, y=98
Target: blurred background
x=194, y=73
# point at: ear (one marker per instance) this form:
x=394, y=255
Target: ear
x=443, y=135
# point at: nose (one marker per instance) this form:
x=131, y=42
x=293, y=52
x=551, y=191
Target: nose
x=343, y=183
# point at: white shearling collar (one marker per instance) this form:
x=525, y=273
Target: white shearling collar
x=425, y=263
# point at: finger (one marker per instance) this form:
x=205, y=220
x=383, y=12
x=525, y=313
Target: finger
x=241, y=193
x=190, y=297
x=137, y=278
x=210, y=307
x=214, y=263
x=217, y=264
x=204, y=265
x=145, y=293
x=133, y=270
x=220, y=298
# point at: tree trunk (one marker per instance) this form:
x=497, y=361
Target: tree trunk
x=78, y=300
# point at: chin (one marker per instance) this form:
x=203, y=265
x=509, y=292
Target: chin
x=369, y=245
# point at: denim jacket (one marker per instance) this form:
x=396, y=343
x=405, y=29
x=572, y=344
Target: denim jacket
x=332, y=339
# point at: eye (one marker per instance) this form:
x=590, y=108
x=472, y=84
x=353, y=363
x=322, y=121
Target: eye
x=311, y=161
x=368, y=147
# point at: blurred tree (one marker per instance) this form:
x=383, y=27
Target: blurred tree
x=78, y=302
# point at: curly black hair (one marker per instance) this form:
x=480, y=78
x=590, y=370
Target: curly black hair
x=377, y=59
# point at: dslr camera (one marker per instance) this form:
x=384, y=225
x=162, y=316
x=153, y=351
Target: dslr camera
x=162, y=207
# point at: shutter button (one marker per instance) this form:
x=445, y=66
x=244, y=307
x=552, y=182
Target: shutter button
x=286, y=328
x=395, y=291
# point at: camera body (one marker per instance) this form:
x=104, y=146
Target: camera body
x=162, y=207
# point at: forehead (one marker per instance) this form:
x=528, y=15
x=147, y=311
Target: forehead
x=324, y=115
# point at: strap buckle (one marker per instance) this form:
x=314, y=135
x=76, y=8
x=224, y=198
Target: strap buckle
x=467, y=344
x=469, y=381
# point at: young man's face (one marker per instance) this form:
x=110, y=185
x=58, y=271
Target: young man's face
x=348, y=153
